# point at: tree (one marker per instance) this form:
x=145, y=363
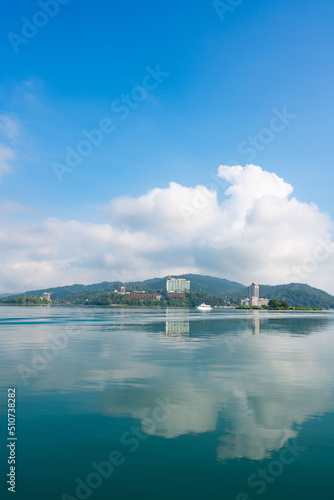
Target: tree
x=278, y=304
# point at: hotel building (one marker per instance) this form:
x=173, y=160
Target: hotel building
x=254, y=299
x=177, y=285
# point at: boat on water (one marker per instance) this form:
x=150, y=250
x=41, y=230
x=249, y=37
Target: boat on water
x=204, y=307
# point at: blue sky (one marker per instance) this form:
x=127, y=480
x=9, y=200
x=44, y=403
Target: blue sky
x=225, y=79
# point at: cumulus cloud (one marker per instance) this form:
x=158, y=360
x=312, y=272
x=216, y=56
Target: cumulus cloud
x=258, y=232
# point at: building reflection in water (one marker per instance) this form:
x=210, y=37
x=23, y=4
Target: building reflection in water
x=179, y=328
x=176, y=324
x=256, y=325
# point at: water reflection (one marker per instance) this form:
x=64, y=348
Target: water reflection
x=177, y=328
x=256, y=324
x=260, y=394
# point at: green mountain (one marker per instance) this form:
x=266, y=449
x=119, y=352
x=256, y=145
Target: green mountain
x=295, y=294
x=3, y=295
x=213, y=286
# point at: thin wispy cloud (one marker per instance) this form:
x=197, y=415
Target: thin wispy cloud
x=9, y=133
x=9, y=127
x=12, y=207
x=7, y=155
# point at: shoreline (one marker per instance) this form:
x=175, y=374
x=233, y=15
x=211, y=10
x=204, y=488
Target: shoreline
x=237, y=308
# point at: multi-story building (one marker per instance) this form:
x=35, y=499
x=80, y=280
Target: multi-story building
x=46, y=296
x=176, y=295
x=177, y=284
x=254, y=299
x=140, y=295
x=254, y=291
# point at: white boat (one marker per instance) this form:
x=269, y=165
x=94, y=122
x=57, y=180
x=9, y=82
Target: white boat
x=204, y=307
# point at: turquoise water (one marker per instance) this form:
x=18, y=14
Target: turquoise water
x=168, y=404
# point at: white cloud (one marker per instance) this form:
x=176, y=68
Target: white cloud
x=8, y=127
x=168, y=210
x=8, y=206
x=9, y=130
x=7, y=155
x=259, y=232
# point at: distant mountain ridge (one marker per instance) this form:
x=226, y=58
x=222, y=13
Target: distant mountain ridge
x=209, y=284
x=295, y=294
x=299, y=295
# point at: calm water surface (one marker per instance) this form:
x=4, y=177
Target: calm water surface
x=168, y=404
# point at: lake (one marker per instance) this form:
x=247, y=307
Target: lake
x=168, y=404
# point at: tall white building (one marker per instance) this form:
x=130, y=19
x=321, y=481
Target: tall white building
x=254, y=291
x=177, y=285
x=254, y=299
